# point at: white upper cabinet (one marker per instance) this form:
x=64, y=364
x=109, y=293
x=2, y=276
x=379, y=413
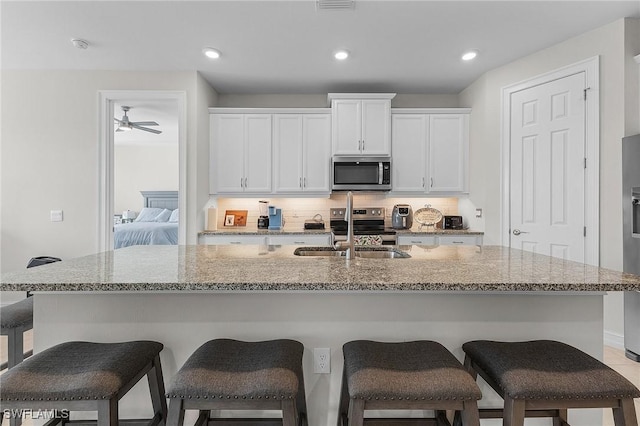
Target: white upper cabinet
x=448, y=152
x=240, y=153
x=430, y=151
x=302, y=153
x=361, y=124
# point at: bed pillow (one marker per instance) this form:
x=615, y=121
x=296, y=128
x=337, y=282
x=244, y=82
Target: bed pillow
x=163, y=216
x=148, y=214
x=174, y=216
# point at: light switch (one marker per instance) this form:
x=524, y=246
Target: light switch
x=478, y=212
x=56, y=215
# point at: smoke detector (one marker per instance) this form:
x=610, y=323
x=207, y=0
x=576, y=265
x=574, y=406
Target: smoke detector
x=79, y=43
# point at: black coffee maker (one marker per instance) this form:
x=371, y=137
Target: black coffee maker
x=263, y=218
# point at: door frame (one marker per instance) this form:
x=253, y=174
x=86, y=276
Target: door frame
x=591, y=68
x=106, y=128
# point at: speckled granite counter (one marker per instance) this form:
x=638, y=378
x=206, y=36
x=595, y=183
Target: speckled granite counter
x=276, y=268
x=266, y=232
x=183, y=296
x=437, y=231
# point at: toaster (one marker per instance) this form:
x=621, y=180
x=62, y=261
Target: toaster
x=452, y=222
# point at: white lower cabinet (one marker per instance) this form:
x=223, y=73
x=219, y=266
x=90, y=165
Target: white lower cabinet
x=299, y=240
x=443, y=240
x=279, y=239
x=407, y=240
x=232, y=239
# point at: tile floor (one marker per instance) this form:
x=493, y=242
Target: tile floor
x=612, y=357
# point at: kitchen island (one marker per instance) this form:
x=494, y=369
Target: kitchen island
x=183, y=296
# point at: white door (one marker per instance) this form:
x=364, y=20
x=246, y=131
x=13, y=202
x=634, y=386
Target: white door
x=346, y=121
x=447, y=152
x=257, y=153
x=409, y=152
x=227, y=148
x=317, y=152
x=547, y=168
x=376, y=127
x=288, y=144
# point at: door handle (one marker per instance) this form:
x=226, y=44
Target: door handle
x=518, y=232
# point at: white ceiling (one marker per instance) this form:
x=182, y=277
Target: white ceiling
x=287, y=46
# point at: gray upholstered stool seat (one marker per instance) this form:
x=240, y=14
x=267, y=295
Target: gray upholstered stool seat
x=85, y=376
x=231, y=374
x=15, y=319
x=552, y=375
x=420, y=375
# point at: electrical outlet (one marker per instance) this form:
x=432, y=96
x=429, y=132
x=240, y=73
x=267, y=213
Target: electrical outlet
x=322, y=360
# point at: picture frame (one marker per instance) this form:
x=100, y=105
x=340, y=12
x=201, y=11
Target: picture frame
x=229, y=220
x=235, y=218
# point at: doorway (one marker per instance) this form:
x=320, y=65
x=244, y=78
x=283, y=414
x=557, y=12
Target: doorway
x=550, y=175
x=110, y=106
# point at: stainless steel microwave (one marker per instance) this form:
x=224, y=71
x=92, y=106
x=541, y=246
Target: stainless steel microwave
x=361, y=174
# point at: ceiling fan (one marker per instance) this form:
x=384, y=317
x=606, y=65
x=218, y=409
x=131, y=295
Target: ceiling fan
x=125, y=124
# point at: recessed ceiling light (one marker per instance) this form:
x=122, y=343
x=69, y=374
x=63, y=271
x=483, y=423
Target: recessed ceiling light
x=341, y=55
x=469, y=55
x=211, y=53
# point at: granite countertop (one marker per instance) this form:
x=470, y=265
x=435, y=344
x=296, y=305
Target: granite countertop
x=275, y=268
x=437, y=231
x=254, y=231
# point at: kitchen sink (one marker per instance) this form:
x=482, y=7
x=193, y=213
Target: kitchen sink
x=363, y=252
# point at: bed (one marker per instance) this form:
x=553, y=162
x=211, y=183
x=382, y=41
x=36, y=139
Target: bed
x=156, y=224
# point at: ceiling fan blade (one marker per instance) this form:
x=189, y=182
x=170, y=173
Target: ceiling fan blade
x=144, y=123
x=145, y=129
x=116, y=120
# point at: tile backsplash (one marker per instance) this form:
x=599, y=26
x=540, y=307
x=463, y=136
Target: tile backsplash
x=297, y=210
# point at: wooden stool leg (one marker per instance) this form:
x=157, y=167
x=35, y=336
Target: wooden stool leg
x=289, y=412
x=108, y=412
x=625, y=415
x=561, y=419
x=176, y=412
x=356, y=412
x=513, y=412
x=156, y=387
x=470, y=415
x=343, y=405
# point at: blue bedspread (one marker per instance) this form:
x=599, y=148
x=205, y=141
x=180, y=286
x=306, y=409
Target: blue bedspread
x=145, y=233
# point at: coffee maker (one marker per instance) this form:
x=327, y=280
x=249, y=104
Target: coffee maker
x=275, y=218
x=263, y=219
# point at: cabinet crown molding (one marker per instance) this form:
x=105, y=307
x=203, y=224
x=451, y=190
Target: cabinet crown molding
x=430, y=110
x=230, y=110
x=332, y=96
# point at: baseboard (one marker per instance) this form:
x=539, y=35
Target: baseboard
x=615, y=340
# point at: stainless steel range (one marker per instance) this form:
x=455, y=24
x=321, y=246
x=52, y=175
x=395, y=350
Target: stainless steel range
x=366, y=221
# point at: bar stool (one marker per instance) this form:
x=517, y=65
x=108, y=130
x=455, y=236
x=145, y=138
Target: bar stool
x=15, y=320
x=226, y=374
x=420, y=375
x=544, y=378
x=84, y=376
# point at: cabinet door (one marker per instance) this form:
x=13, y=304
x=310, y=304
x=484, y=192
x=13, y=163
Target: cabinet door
x=448, y=145
x=376, y=127
x=347, y=126
x=300, y=240
x=288, y=150
x=227, y=153
x=317, y=152
x=257, y=153
x=409, y=152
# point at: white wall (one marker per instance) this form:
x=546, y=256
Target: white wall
x=47, y=164
x=143, y=167
x=614, y=44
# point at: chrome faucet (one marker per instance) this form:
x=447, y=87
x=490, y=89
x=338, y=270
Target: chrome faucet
x=348, y=246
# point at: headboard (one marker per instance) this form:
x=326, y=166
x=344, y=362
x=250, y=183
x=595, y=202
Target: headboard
x=161, y=199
